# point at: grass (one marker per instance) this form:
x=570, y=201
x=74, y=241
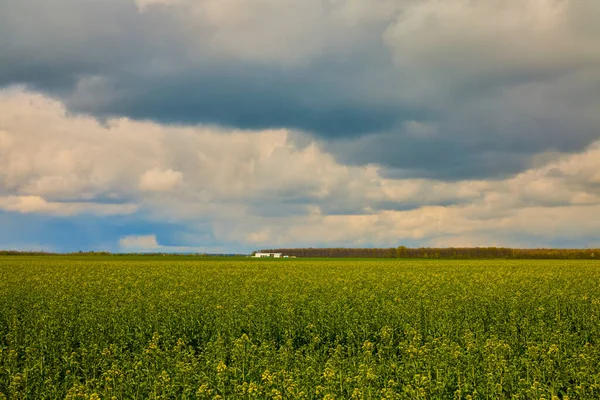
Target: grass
x=85, y=327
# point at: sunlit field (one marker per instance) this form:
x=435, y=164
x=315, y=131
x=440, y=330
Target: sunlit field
x=185, y=327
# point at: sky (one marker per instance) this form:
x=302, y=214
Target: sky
x=227, y=126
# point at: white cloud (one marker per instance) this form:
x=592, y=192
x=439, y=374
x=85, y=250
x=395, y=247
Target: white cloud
x=65, y=158
x=37, y=204
x=156, y=180
x=150, y=244
x=24, y=204
x=5, y=141
x=147, y=242
x=259, y=188
x=467, y=40
x=144, y=4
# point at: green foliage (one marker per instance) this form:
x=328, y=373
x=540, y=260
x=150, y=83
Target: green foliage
x=201, y=328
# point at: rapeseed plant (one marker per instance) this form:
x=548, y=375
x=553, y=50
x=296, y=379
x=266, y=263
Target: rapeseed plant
x=137, y=328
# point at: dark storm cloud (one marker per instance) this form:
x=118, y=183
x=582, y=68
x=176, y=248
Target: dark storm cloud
x=106, y=58
x=249, y=98
x=147, y=72
x=51, y=46
x=484, y=151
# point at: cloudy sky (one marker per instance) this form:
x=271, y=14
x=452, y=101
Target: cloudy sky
x=234, y=125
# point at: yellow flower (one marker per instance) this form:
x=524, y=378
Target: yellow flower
x=371, y=375
x=221, y=367
x=252, y=388
x=267, y=377
x=203, y=389
x=329, y=373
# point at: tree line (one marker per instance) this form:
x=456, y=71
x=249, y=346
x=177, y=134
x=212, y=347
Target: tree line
x=438, y=253
x=392, y=252
x=49, y=253
x=106, y=253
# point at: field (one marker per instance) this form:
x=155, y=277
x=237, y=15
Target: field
x=150, y=327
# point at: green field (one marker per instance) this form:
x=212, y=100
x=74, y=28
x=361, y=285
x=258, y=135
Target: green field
x=185, y=327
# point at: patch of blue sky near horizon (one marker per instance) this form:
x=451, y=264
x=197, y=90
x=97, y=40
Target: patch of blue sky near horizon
x=69, y=234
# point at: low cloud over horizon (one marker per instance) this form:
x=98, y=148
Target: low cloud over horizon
x=228, y=126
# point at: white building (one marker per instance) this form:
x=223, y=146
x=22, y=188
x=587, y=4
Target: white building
x=264, y=255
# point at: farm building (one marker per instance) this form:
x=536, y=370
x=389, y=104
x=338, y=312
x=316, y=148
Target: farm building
x=262, y=255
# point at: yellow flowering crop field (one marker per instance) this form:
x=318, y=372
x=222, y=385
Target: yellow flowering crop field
x=116, y=327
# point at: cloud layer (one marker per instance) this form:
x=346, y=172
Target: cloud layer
x=255, y=188
x=234, y=124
